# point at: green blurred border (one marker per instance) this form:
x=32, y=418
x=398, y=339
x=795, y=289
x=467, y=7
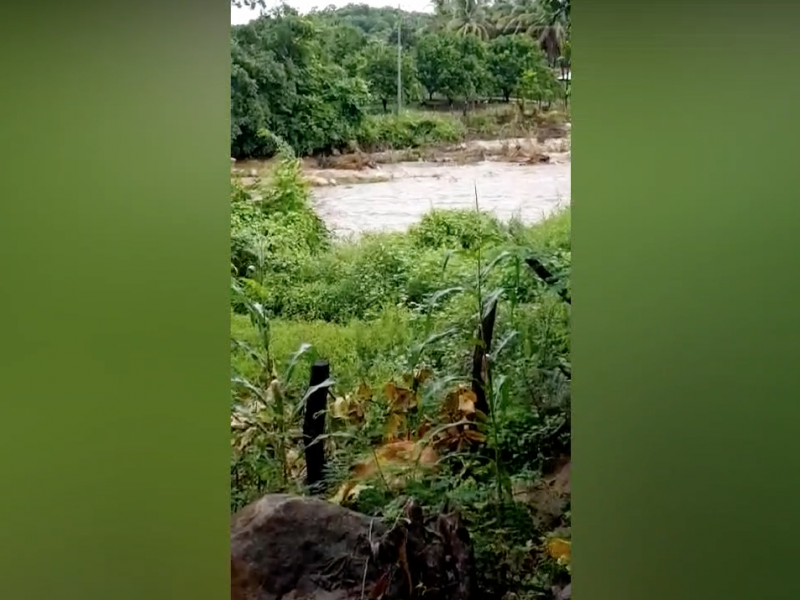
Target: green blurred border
x=115, y=353
x=685, y=321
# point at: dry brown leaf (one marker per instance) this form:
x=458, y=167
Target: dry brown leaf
x=466, y=401
x=460, y=437
x=400, y=399
x=273, y=391
x=244, y=439
x=349, y=409
x=363, y=393
x=559, y=549
x=474, y=436
x=295, y=462
x=405, y=452
x=422, y=375
x=238, y=422
x=459, y=404
x=424, y=427
x=450, y=405
x=391, y=462
x=340, y=407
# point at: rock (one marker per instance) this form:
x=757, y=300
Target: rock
x=564, y=593
x=549, y=497
x=316, y=181
x=291, y=547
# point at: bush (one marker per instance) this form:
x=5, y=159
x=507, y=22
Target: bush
x=275, y=232
x=457, y=230
x=408, y=130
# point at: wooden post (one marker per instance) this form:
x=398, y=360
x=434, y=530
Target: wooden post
x=314, y=426
x=480, y=364
x=545, y=275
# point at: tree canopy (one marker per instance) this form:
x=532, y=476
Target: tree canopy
x=312, y=79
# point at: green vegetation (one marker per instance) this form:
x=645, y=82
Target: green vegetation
x=419, y=405
x=397, y=315
x=409, y=129
x=326, y=81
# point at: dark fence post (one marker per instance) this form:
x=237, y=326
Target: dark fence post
x=545, y=275
x=314, y=425
x=480, y=364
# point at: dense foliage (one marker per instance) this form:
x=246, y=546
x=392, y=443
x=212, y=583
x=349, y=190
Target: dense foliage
x=313, y=79
x=400, y=316
x=396, y=314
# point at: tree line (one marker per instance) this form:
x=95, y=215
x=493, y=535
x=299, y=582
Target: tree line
x=312, y=79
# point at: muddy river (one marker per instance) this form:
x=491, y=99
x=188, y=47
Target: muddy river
x=528, y=191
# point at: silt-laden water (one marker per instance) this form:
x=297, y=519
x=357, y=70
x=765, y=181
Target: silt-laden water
x=530, y=192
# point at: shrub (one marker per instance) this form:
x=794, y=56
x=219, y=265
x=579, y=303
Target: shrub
x=457, y=230
x=409, y=130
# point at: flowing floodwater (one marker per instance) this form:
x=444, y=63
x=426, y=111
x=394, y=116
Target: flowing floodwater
x=530, y=192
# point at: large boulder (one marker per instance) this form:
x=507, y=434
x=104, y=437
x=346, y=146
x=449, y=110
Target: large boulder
x=286, y=547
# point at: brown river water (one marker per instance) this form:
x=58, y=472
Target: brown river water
x=530, y=192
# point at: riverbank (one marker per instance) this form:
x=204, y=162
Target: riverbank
x=361, y=167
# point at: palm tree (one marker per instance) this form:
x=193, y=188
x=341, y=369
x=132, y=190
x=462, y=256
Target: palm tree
x=554, y=28
x=547, y=21
x=518, y=16
x=466, y=17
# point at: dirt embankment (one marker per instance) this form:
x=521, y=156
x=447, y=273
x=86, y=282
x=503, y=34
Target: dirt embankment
x=362, y=167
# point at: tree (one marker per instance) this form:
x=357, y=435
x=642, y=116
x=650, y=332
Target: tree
x=452, y=65
x=519, y=16
x=538, y=84
x=378, y=22
x=509, y=57
x=409, y=34
x=431, y=57
x=249, y=3
x=284, y=81
x=248, y=106
x=553, y=28
x=380, y=71
x=546, y=21
x=465, y=71
x=344, y=41
x=468, y=17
